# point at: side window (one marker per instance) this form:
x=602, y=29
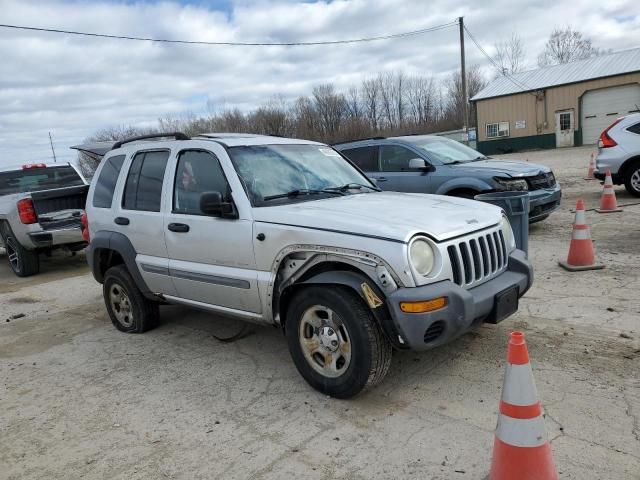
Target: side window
x=106, y=184
x=364, y=157
x=395, y=158
x=197, y=172
x=143, y=189
x=634, y=129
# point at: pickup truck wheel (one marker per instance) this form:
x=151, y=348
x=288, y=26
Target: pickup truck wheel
x=23, y=262
x=335, y=343
x=128, y=309
x=632, y=179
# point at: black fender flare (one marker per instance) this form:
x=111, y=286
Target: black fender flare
x=119, y=243
x=370, y=293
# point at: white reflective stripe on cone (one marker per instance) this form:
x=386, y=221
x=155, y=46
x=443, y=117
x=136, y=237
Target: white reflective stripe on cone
x=519, y=387
x=521, y=433
x=582, y=234
x=581, y=218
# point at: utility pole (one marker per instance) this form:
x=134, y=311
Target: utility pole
x=52, y=150
x=463, y=71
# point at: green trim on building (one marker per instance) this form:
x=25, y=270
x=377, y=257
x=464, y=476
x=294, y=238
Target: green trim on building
x=514, y=144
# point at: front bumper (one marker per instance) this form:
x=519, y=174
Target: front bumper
x=464, y=309
x=543, y=202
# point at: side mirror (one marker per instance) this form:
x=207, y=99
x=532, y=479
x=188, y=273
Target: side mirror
x=213, y=203
x=420, y=164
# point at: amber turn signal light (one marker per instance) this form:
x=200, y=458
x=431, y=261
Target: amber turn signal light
x=423, y=306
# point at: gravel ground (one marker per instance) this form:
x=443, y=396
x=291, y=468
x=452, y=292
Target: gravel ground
x=80, y=399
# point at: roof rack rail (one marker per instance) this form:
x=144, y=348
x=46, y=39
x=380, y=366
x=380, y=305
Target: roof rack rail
x=176, y=135
x=360, y=140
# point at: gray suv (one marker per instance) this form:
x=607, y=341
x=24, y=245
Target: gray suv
x=433, y=164
x=287, y=233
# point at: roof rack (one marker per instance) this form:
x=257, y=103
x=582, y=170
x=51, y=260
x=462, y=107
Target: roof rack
x=360, y=140
x=176, y=135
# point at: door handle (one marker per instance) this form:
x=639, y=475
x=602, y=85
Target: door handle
x=121, y=220
x=179, y=227
x=382, y=179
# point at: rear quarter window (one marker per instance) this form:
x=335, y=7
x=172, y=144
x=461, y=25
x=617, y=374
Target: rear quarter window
x=634, y=128
x=106, y=184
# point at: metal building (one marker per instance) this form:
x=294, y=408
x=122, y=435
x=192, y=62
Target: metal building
x=558, y=106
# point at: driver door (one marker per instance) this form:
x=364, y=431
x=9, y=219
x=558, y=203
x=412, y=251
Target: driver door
x=211, y=259
x=395, y=174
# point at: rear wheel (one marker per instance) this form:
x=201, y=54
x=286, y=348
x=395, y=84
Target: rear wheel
x=130, y=311
x=23, y=262
x=632, y=179
x=334, y=341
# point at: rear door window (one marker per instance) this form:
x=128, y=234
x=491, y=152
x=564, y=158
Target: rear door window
x=106, y=184
x=366, y=158
x=143, y=189
x=395, y=158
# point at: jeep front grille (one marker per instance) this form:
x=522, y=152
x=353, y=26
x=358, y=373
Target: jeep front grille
x=476, y=259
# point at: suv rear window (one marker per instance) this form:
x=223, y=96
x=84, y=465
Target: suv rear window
x=143, y=189
x=106, y=183
x=364, y=157
x=634, y=129
x=37, y=179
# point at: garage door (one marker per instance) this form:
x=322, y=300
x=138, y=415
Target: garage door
x=601, y=107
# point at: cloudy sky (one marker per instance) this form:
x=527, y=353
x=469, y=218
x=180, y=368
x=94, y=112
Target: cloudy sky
x=73, y=86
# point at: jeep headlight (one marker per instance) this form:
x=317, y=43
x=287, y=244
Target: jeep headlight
x=507, y=233
x=517, y=184
x=422, y=256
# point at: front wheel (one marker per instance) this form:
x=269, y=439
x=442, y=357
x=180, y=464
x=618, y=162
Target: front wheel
x=632, y=179
x=334, y=341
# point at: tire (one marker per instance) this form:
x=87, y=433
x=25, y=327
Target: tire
x=362, y=353
x=128, y=309
x=23, y=262
x=632, y=178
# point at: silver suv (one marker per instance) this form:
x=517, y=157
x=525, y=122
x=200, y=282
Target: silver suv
x=619, y=151
x=289, y=233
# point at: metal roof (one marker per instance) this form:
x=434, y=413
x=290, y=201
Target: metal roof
x=617, y=63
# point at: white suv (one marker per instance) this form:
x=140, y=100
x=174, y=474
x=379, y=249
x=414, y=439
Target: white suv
x=289, y=233
x=619, y=152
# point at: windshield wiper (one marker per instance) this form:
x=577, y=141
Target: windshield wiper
x=301, y=191
x=353, y=185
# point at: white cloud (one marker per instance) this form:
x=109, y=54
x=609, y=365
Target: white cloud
x=73, y=86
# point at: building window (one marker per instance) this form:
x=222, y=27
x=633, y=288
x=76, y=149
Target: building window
x=500, y=129
x=565, y=121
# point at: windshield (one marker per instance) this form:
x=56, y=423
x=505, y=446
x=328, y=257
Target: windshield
x=37, y=179
x=270, y=171
x=445, y=150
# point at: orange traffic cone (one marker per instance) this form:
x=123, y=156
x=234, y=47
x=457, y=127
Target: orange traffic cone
x=608, y=202
x=581, y=254
x=592, y=167
x=521, y=450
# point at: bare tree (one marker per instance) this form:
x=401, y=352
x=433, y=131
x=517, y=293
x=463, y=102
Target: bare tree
x=566, y=45
x=331, y=109
x=510, y=54
x=455, y=101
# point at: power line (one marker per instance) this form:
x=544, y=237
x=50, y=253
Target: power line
x=521, y=85
x=246, y=44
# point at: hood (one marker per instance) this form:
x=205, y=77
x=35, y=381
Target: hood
x=502, y=168
x=389, y=215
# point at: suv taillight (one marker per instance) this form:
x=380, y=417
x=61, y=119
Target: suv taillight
x=26, y=211
x=605, y=140
x=84, y=222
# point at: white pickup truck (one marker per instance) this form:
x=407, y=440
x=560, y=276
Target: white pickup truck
x=41, y=206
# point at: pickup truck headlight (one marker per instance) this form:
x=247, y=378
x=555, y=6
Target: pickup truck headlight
x=507, y=233
x=517, y=184
x=422, y=256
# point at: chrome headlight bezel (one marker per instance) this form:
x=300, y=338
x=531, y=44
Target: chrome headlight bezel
x=507, y=233
x=430, y=259
x=513, y=184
